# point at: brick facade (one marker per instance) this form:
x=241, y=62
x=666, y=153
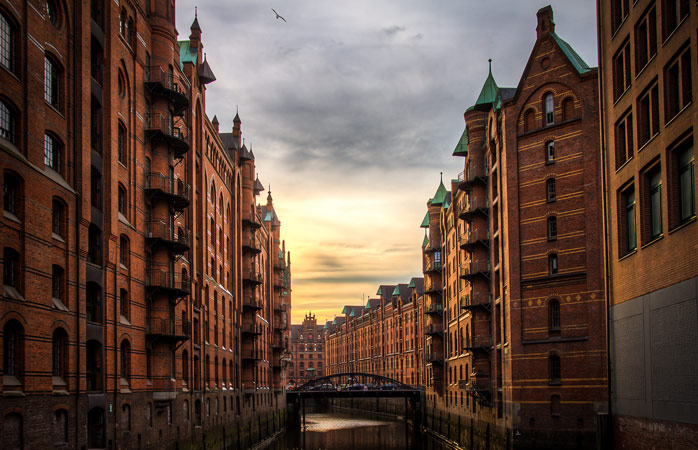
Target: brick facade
x=307, y=352
x=145, y=293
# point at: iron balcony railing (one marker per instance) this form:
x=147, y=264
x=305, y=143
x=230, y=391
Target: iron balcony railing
x=251, y=219
x=472, y=237
x=478, y=343
x=251, y=301
x=472, y=174
x=173, y=188
x=252, y=354
x=434, y=357
x=432, y=266
x=171, y=84
x=478, y=300
x=164, y=231
x=167, y=279
x=433, y=328
x=433, y=308
x=160, y=126
x=160, y=326
x=252, y=275
x=251, y=328
x=472, y=268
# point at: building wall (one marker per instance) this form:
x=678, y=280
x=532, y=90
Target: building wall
x=147, y=317
x=308, y=347
x=652, y=281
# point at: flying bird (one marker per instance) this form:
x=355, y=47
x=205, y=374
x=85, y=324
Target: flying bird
x=278, y=16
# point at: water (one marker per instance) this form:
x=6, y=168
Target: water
x=360, y=431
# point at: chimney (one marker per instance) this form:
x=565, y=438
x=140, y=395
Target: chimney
x=545, y=22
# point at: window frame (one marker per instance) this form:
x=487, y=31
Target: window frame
x=555, y=369
x=676, y=96
x=8, y=121
x=548, y=109
x=550, y=190
x=624, y=142
x=553, y=264
x=646, y=42
x=53, y=153
x=550, y=152
x=627, y=221
x=52, y=81
x=648, y=105
x=622, y=74
x=8, y=42
x=552, y=228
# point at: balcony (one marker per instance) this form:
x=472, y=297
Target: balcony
x=161, y=233
x=169, y=282
x=433, y=329
x=281, y=305
x=175, y=191
x=433, y=308
x=251, y=355
x=472, y=238
x=277, y=342
x=433, y=267
x=251, y=329
x=164, y=328
x=250, y=244
x=279, y=263
x=280, y=281
x=280, y=323
x=473, y=269
x=479, y=387
x=170, y=85
x=433, y=247
x=252, y=276
x=252, y=302
x=251, y=220
x=432, y=287
x=471, y=176
x=477, y=205
x=476, y=301
x=159, y=127
x=478, y=344
x=434, y=357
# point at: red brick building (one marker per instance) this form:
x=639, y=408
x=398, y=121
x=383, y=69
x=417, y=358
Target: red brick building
x=307, y=352
x=145, y=294
x=519, y=235
x=384, y=337
x=648, y=77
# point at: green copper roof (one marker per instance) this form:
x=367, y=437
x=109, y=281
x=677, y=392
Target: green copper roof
x=368, y=305
x=489, y=91
x=396, y=291
x=185, y=55
x=412, y=285
x=351, y=314
x=440, y=195
x=446, y=203
x=425, y=243
x=571, y=55
x=379, y=292
x=462, y=145
x=425, y=222
x=345, y=310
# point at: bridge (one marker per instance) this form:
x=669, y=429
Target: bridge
x=352, y=385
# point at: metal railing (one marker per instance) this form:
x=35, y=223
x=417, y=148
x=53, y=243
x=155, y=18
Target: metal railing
x=252, y=301
x=474, y=267
x=157, y=122
x=168, y=327
x=166, y=184
x=252, y=274
x=160, y=229
x=171, y=81
x=473, y=300
x=168, y=279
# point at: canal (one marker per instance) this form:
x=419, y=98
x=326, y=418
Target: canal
x=356, y=431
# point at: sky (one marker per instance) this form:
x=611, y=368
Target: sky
x=353, y=110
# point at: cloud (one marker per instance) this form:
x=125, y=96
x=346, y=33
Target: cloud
x=392, y=31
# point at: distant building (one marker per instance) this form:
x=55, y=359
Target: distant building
x=307, y=352
x=649, y=75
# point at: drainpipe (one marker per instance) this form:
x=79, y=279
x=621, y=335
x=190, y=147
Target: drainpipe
x=604, y=183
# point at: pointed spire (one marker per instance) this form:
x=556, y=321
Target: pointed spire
x=489, y=91
x=215, y=123
x=195, y=24
x=236, y=119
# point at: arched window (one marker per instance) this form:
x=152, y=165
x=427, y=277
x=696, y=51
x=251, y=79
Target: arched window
x=52, y=75
x=53, y=12
x=57, y=284
x=125, y=361
x=122, y=140
x=11, y=268
x=125, y=417
x=555, y=405
x=94, y=366
x=8, y=43
x=60, y=347
x=94, y=245
x=567, y=108
x=552, y=228
x=550, y=192
x=185, y=366
x=124, y=252
x=122, y=201
x=60, y=428
x=95, y=428
x=550, y=152
x=8, y=122
x=555, y=369
x=131, y=33
x=552, y=264
x=94, y=302
x=548, y=109
x=122, y=22
x=12, y=431
x=58, y=218
x=554, y=315
x=96, y=187
x=124, y=304
x=13, y=355
x=53, y=153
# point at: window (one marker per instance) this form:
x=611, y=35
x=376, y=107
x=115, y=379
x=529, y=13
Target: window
x=548, y=109
x=94, y=245
x=94, y=365
x=11, y=193
x=554, y=315
x=648, y=114
x=619, y=11
x=652, y=223
x=549, y=152
x=13, y=352
x=96, y=188
x=552, y=228
x=8, y=120
x=683, y=188
x=124, y=304
x=122, y=143
x=57, y=218
x=621, y=70
x=52, y=12
x=529, y=120
x=124, y=251
x=555, y=405
x=125, y=361
x=677, y=84
x=627, y=228
x=10, y=272
x=8, y=43
x=673, y=12
x=131, y=32
x=624, y=139
x=94, y=302
x=57, y=283
x=645, y=39
x=60, y=428
x=555, y=370
x=122, y=23
x=552, y=264
x=51, y=81
x=125, y=417
x=567, y=108
x=122, y=200
x=60, y=345
x=550, y=190
x=52, y=153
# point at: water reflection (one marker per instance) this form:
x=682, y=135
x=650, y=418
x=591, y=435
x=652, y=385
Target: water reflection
x=342, y=431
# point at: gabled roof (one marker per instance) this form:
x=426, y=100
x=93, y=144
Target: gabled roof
x=185, y=55
x=577, y=62
x=440, y=195
x=417, y=283
x=462, y=145
x=425, y=221
x=488, y=93
x=385, y=291
x=372, y=304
